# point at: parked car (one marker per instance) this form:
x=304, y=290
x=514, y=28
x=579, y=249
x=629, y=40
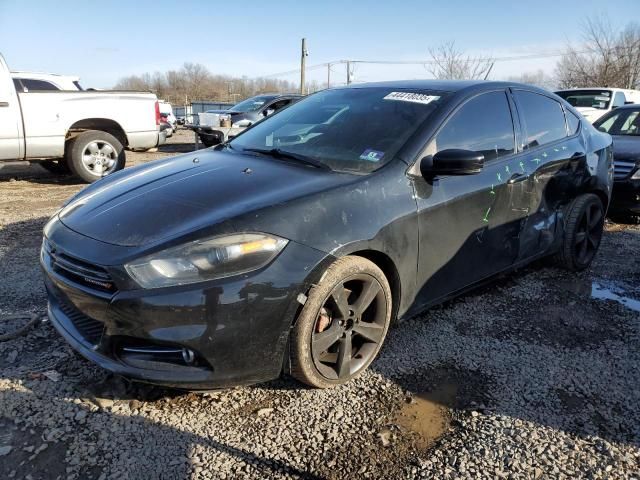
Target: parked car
x=85, y=132
x=43, y=82
x=293, y=246
x=595, y=102
x=240, y=115
x=624, y=125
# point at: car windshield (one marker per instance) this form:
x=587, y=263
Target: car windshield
x=622, y=122
x=599, y=99
x=349, y=129
x=250, y=104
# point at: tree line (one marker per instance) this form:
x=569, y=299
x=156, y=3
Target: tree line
x=195, y=82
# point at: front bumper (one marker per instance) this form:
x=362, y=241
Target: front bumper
x=237, y=328
x=625, y=198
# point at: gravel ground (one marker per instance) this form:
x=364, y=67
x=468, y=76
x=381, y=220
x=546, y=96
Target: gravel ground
x=534, y=376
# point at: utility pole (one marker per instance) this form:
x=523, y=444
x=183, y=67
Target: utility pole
x=348, y=72
x=329, y=75
x=303, y=60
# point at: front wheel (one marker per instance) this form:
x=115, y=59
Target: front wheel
x=95, y=154
x=584, y=224
x=342, y=325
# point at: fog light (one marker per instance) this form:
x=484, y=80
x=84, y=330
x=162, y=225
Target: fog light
x=188, y=356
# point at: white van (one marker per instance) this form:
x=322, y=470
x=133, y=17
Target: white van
x=595, y=102
x=166, y=109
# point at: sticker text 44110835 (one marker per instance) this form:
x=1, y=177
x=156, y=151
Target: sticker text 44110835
x=412, y=97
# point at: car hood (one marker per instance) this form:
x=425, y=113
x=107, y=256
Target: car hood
x=626, y=147
x=166, y=199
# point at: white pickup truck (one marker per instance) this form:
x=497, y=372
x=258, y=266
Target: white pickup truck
x=85, y=132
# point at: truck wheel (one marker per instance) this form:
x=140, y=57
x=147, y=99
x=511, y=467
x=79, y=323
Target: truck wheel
x=58, y=167
x=94, y=154
x=583, y=228
x=342, y=325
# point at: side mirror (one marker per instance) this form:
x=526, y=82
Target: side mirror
x=452, y=162
x=268, y=112
x=602, y=129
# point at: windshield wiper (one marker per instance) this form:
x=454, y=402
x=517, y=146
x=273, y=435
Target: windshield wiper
x=278, y=153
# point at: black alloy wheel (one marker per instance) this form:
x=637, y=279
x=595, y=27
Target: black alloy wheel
x=350, y=327
x=342, y=325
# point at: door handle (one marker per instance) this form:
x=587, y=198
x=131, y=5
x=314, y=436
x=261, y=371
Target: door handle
x=4, y=104
x=517, y=178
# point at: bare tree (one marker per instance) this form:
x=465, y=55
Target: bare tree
x=195, y=82
x=605, y=58
x=451, y=63
x=537, y=78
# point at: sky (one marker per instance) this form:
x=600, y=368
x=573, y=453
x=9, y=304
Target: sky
x=102, y=41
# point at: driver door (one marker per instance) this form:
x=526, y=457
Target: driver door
x=469, y=225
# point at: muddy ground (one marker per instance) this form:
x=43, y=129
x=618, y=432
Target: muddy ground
x=534, y=376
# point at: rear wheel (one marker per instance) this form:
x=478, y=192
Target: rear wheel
x=95, y=154
x=342, y=325
x=583, y=231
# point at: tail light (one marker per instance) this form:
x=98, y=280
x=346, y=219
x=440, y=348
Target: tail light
x=157, y=113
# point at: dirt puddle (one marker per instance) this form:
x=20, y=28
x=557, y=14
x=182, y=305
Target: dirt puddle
x=427, y=414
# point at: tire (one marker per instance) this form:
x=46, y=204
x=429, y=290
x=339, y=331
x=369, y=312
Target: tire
x=57, y=167
x=342, y=325
x=102, y=152
x=583, y=229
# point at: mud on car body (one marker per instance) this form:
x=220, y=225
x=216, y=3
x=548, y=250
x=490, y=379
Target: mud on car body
x=293, y=246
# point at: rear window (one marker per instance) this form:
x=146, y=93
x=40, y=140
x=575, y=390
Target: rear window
x=573, y=122
x=599, y=99
x=37, y=85
x=543, y=118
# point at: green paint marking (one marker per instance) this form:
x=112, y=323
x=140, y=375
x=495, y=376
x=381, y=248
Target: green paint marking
x=499, y=176
x=486, y=216
x=564, y=147
x=492, y=192
x=545, y=154
x=506, y=168
x=537, y=160
x=556, y=150
x=522, y=166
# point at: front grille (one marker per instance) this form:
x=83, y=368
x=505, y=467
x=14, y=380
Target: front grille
x=622, y=169
x=90, y=329
x=79, y=271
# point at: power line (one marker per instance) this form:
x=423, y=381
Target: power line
x=510, y=58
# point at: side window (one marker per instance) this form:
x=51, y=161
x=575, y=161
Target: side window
x=573, y=122
x=38, y=85
x=543, y=118
x=483, y=125
x=18, y=85
x=280, y=104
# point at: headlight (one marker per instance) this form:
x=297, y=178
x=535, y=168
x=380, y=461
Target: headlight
x=207, y=259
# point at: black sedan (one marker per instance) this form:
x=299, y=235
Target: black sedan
x=294, y=246
x=623, y=124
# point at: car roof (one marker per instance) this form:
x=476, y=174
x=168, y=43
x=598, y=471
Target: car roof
x=446, y=85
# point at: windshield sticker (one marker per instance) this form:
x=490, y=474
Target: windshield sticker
x=372, y=155
x=412, y=97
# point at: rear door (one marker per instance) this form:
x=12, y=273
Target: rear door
x=11, y=144
x=470, y=225
x=555, y=160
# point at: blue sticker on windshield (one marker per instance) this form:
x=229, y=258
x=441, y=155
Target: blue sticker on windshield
x=372, y=155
